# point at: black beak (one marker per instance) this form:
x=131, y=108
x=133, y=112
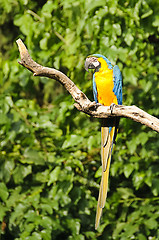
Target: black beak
x=91, y=63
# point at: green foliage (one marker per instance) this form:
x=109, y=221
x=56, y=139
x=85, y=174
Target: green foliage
x=50, y=152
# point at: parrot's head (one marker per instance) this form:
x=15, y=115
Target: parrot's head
x=92, y=63
x=97, y=61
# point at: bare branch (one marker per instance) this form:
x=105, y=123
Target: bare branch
x=82, y=102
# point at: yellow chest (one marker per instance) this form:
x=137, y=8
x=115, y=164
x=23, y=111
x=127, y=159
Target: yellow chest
x=105, y=85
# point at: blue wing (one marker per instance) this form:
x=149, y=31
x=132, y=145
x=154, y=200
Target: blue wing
x=94, y=90
x=117, y=84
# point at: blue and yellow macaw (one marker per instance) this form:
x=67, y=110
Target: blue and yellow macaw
x=107, y=90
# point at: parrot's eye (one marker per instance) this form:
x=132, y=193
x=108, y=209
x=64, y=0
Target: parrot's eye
x=92, y=63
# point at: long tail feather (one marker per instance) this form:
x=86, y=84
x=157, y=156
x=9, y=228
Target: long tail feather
x=99, y=209
x=105, y=146
x=106, y=149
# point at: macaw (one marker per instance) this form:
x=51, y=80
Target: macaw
x=107, y=90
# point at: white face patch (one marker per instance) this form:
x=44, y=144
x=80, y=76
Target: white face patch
x=92, y=63
x=96, y=64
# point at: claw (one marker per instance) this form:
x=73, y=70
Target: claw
x=111, y=107
x=91, y=105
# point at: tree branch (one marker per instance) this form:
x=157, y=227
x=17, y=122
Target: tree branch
x=82, y=102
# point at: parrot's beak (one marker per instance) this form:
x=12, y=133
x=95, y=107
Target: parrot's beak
x=91, y=63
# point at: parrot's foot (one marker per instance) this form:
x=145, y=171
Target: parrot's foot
x=92, y=105
x=111, y=107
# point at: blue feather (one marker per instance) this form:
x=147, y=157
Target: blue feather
x=117, y=84
x=94, y=90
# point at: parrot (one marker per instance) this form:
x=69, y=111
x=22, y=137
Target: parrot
x=107, y=90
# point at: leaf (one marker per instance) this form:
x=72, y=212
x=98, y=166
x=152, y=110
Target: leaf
x=42, y=176
x=118, y=229
x=3, y=192
x=155, y=186
x=21, y=172
x=32, y=156
x=46, y=234
x=25, y=23
x=117, y=29
x=147, y=14
x=3, y=118
x=44, y=41
x=138, y=179
x=129, y=39
x=77, y=237
x=3, y=211
x=132, y=144
x=151, y=223
x=156, y=22
x=125, y=193
x=75, y=163
x=74, y=225
x=90, y=235
x=76, y=194
x=46, y=208
x=35, y=235
x=89, y=6
x=72, y=140
x=143, y=138
x=28, y=230
x=98, y=172
x=17, y=214
x=128, y=168
x=54, y=175
x=141, y=236
x=131, y=75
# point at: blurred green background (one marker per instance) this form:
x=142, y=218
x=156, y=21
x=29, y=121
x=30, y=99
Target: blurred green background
x=50, y=152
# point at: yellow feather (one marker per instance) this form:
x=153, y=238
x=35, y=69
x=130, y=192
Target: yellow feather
x=105, y=84
x=105, y=152
x=105, y=146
